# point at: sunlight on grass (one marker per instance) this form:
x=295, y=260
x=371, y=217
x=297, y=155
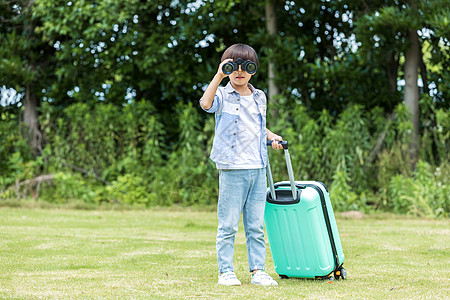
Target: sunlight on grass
x=160, y=254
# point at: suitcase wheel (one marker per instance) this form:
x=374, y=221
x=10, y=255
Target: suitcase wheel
x=340, y=273
x=283, y=277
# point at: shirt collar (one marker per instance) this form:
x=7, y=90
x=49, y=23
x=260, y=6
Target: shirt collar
x=230, y=89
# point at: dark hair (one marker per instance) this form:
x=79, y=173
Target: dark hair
x=240, y=51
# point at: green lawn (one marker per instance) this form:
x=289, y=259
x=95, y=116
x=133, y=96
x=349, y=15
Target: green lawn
x=55, y=253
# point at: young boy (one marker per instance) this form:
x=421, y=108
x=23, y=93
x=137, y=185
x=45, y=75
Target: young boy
x=240, y=153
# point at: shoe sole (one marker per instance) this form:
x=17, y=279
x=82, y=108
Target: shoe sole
x=265, y=284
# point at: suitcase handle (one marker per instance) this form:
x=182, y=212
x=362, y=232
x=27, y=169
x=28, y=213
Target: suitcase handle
x=290, y=172
x=299, y=186
x=282, y=143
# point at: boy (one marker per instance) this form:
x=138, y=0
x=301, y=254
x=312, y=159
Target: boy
x=240, y=153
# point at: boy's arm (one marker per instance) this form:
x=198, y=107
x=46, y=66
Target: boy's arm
x=274, y=137
x=208, y=96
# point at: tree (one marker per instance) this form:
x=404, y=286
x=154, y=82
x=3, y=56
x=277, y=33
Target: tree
x=272, y=31
x=393, y=28
x=321, y=54
x=412, y=90
x=315, y=58
x=27, y=62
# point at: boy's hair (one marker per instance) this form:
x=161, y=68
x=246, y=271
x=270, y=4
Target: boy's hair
x=240, y=51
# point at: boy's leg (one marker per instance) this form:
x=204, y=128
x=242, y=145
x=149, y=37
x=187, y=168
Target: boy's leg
x=253, y=217
x=233, y=190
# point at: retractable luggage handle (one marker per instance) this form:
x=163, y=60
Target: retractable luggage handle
x=290, y=171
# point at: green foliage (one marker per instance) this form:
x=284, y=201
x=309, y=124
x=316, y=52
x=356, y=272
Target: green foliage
x=69, y=187
x=336, y=151
x=16, y=161
x=129, y=189
x=127, y=146
x=343, y=198
x=188, y=177
x=332, y=142
x=383, y=29
x=89, y=139
x=107, y=140
x=117, y=84
x=424, y=194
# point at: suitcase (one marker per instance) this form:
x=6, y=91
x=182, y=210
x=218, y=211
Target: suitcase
x=301, y=228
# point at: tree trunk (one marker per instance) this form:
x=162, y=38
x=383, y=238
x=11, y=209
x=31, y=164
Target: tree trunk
x=392, y=71
x=271, y=27
x=423, y=71
x=30, y=118
x=412, y=91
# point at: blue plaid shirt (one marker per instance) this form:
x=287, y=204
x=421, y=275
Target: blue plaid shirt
x=226, y=106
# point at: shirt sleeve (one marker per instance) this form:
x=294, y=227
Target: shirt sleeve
x=216, y=103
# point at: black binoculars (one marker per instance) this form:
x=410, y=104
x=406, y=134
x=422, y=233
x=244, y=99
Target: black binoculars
x=247, y=66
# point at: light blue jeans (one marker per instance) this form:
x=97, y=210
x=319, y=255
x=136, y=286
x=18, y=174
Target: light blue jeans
x=241, y=191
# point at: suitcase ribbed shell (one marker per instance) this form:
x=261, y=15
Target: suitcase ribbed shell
x=298, y=234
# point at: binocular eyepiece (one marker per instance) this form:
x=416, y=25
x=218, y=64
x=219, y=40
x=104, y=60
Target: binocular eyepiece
x=247, y=66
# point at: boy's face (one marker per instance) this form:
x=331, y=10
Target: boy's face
x=240, y=77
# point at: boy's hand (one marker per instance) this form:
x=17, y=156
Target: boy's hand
x=219, y=71
x=275, y=144
x=208, y=96
x=275, y=138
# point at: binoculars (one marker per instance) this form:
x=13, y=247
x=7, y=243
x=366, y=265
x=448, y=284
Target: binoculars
x=247, y=66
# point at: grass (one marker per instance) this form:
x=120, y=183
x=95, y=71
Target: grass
x=63, y=253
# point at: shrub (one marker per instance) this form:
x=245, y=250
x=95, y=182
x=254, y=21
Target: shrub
x=68, y=187
x=424, y=194
x=341, y=193
x=129, y=189
x=16, y=161
x=147, y=164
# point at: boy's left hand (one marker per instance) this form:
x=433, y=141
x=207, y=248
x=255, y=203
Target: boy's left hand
x=275, y=144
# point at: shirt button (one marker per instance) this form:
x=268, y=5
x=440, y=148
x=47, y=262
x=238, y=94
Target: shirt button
x=235, y=121
x=234, y=133
x=232, y=146
x=237, y=108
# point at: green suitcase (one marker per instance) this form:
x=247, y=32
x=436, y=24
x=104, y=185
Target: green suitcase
x=301, y=228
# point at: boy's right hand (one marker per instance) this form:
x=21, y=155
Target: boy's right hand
x=219, y=71
x=208, y=96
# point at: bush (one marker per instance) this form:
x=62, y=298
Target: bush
x=107, y=140
x=68, y=187
x=16, y=161
x=128, y=149
x=424, y=194
x=129, y=188
x=341, y=193
x=188, y=177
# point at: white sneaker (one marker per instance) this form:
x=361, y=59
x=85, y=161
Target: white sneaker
x=228, y=278
x=262, y=278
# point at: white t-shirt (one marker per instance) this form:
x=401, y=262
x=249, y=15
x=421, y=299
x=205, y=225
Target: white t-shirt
x=248, y=152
